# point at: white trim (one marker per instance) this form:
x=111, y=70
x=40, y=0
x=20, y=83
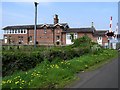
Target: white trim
x=13, y=31
x=68, y=38
x=99, y=40
x=58, y=24
x=45, y=25
x=5, y=39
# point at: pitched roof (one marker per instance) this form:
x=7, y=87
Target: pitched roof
x=64, y=25
x=83, y=30
x=38, y=26
x=100, y=32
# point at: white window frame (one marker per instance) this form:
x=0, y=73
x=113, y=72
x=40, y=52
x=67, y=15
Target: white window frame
x=21, y=31
x=99, y=38
x=45, y=30
x=30, y=37
x=75, y=35
x=15, y=31
x=68, y=36
x=12, y=32
x=8, y=31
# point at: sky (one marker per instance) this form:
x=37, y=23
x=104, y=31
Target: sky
x=76, y=14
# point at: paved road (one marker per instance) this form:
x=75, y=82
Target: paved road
x=104, y=77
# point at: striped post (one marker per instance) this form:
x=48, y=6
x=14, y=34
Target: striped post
x=110, y=24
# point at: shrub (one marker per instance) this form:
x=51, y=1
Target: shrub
x=26, y=57
x=82, y=42
x=12, y=61
x=54, y=75
x=95, y=49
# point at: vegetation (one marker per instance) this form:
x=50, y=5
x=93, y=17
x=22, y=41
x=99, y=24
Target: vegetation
x=82, y=42
x=49, y=67
x=55, y=75
x=24, y=58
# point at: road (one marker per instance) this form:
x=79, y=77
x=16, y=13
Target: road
x=104, y=77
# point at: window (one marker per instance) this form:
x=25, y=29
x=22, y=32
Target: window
x=18, y=30
x=5, y=39
x=45, y=31
x=20, y=39
x=15, y=31
x=99, y=38
x=9, y=39
x=68, y=36
x=58, y=43
x=8, y=31
x=75, y=35
x=4, y=31
x=58, y=37
x=12, y=31
x=21, y=31
x=24, y=31
x=30, y=39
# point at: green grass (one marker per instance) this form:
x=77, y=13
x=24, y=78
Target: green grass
x=55, y=74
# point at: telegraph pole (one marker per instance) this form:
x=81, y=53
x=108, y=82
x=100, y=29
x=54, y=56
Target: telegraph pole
x=35, y=26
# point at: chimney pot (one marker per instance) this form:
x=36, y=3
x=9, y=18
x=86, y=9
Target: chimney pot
x=56, y=20
x=92, y=24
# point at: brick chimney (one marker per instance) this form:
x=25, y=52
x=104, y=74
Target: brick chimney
x=56, y=20
x=92, y=24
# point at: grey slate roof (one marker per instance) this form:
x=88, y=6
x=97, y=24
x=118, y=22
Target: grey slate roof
x=32, y=26
x=83, y=30
x=63, y=25
x=100, y=32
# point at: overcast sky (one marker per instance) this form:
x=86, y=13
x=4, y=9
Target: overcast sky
x=76, y=14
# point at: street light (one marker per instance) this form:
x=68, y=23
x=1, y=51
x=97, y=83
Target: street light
x=35, y=26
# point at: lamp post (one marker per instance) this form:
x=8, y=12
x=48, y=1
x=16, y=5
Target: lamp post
x=35, y=26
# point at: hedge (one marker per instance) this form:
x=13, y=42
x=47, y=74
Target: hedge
x=25, y=59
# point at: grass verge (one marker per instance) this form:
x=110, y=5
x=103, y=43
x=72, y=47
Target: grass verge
x=55, y=74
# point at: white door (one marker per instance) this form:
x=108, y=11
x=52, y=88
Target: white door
x=68, y=39
x=5, y=38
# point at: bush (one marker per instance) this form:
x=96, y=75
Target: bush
x=55, y=75
x=27, y=57
x=82, y=42
x=95, y=49
x=13, y=61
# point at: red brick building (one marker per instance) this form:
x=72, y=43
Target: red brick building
x=50, y=34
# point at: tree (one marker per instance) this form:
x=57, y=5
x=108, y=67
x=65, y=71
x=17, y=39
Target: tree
x=72, y=37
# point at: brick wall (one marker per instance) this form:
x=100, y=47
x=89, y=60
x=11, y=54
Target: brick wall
x=63, y=38
x=89, y=35
x=58, y=35
x=51, y=37
x=14, y=38
x=105, y=40
x=42, y=37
